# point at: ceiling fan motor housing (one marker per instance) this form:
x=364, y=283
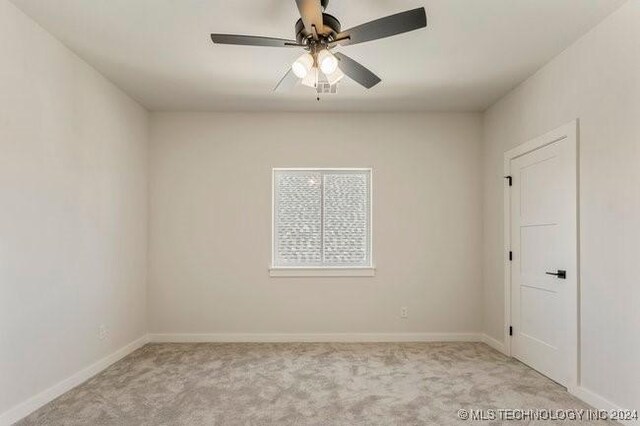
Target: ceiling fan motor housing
x=329, y=33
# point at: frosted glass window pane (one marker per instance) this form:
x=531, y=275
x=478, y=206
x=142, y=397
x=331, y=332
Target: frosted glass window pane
x=298, y=218
x=346, y=213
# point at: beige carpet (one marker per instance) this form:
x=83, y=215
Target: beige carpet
x=305, y=384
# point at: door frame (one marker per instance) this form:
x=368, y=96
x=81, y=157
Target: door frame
x=569, y=132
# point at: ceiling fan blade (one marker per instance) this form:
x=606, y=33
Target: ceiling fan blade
x=311, y=14
x=356, y=71
x=247, y=40
x=384, y=27
x=287, y=82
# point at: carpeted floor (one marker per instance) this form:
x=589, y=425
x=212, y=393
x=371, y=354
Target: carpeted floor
x=305, y=384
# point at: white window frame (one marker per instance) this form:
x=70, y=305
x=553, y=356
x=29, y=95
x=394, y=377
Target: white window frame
x=321, y=271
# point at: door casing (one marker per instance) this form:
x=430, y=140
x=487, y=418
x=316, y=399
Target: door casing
x=568, y=132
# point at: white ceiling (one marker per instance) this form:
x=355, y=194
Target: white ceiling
x=159, y=51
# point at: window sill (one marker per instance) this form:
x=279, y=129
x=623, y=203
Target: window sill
x=322, y=272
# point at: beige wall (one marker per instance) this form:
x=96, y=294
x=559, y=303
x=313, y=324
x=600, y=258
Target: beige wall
x=211, y=223
x=598, y=81
x=73, y=208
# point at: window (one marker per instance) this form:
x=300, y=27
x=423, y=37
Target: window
x=321, y=222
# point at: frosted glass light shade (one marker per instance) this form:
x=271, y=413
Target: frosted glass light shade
x=335, y=77
x=311, y=79
x=328, y=62
x=302, y=65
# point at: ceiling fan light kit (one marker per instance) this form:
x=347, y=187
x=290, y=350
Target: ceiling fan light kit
x=318, y=33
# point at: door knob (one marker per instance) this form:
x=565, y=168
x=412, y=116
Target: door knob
x=560, y=274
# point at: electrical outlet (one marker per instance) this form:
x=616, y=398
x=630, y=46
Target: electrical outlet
x=404, y=312
x=103, y=332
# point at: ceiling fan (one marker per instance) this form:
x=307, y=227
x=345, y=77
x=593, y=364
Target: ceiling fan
x=318, y=33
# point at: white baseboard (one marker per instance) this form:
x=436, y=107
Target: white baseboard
x=315, y=337
x=32, y=404
x=495, y=344
x=599, y=403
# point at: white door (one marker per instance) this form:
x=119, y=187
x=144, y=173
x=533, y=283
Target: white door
x=544, y=258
